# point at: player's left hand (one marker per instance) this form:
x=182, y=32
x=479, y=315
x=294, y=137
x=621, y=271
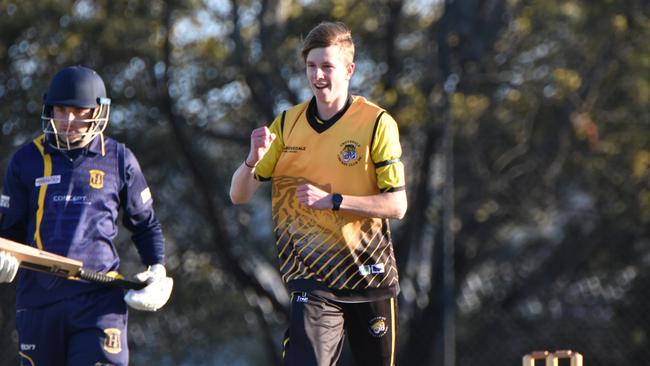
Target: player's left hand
x=157, y=292
x=313, y=197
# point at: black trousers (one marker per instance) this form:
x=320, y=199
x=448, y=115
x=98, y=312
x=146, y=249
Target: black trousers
x=318, y=327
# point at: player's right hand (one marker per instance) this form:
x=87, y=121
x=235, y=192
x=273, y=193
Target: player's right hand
x=261, y=139
x=8, y=267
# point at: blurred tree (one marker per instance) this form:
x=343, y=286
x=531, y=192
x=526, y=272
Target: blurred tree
x=551, y=195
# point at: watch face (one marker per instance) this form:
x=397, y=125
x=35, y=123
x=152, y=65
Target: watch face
x=336, y=201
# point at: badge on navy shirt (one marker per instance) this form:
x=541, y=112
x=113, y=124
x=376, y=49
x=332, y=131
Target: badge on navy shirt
x=43, y=181
x=96, y=178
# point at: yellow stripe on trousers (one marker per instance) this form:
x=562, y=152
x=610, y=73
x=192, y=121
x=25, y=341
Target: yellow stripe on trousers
x=31, y=362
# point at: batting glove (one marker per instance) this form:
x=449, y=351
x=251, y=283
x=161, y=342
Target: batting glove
x=157, y=292
x=8, y=267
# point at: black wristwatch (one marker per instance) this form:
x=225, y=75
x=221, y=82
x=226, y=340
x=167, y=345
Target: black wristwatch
x=337, y=199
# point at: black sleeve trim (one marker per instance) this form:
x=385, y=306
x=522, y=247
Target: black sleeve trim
x=262, y=179
x=374, y=129
x=393, y=189
x=284, y=114
x=386, y=162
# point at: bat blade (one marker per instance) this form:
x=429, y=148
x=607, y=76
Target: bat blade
x=39, y=260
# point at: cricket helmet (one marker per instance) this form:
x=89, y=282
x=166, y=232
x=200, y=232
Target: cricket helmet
x=78, y=87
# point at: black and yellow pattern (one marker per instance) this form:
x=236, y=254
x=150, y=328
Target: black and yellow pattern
x=357, y=154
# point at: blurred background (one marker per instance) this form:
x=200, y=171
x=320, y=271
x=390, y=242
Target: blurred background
x=526, y=135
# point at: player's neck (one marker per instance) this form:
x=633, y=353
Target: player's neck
x=328, y=110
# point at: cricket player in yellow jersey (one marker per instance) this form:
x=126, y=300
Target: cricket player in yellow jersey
x=334, y=162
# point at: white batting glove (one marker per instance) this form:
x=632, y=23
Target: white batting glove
x=156, y=294
x=8, y=267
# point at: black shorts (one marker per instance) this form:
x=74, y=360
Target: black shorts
x=318, y=325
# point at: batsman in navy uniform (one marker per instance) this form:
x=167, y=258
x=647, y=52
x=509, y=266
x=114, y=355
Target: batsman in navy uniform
x=62, y=193
x=334, y=163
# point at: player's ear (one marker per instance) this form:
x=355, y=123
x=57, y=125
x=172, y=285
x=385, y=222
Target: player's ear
x=350, y=70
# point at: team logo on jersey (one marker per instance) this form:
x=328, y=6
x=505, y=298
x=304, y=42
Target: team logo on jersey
x=349, y=154
x=112, y=343
x=77, y=200
x=4, y=201
x=293, y=149
x=96, y=178
x=43, y=181
x=378, y=327
x=367, y=269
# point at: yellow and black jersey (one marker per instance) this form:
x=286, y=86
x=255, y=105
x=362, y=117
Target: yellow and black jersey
x=357, y=152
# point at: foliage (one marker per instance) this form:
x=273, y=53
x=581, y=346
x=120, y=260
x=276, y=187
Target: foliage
x=547, y=103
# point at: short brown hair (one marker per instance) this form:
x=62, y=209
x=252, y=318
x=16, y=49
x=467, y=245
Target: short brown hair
x=328, y=34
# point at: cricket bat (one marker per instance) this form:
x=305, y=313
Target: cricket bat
x=39, y=260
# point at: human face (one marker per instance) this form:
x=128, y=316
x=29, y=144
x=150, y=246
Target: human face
x=329, y=75
x=73, y=125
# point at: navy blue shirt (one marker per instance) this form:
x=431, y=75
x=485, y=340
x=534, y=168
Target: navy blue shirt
x=67, y=203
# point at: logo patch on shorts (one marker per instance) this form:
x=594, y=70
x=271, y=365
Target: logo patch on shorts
x=378, y=327
x=367, y=269
x=27, y=347
x=302, y=297
x=4, y=201
x=112, y=343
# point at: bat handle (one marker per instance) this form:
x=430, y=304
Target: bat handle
x=111, y=281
